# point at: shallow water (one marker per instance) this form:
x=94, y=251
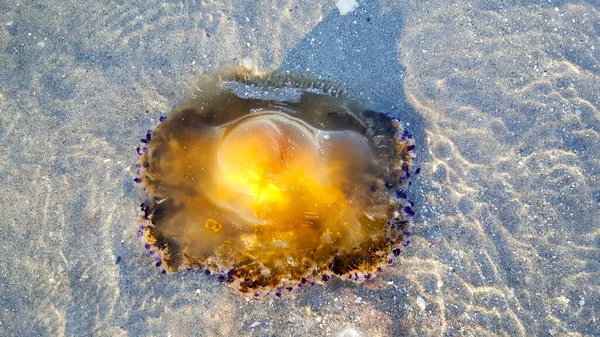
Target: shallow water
x=502, y=98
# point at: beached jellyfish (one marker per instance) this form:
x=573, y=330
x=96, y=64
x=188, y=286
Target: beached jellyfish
x=273, y=181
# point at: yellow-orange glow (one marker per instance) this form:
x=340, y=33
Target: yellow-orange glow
x=276, y=196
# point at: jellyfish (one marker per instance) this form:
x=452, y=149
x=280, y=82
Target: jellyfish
x=274, y=181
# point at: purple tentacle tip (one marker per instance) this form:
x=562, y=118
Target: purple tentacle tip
x=325, y=278
x=410, y=148
x=137, y=180
x=418, y=170
x=162, y=118
x=396, y=251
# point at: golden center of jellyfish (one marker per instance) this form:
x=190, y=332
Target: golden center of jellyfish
x=271, y=193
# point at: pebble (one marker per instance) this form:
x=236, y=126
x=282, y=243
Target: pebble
x=347, y=6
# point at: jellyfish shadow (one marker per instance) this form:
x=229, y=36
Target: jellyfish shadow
x=359, y=50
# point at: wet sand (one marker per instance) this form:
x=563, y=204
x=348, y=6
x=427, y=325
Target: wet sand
x=502, y=99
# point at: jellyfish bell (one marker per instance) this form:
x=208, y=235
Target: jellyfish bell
x=272, y=181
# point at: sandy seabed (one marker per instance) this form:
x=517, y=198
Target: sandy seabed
x=502, y=98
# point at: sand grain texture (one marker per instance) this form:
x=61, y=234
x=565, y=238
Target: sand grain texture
x=502, y=98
